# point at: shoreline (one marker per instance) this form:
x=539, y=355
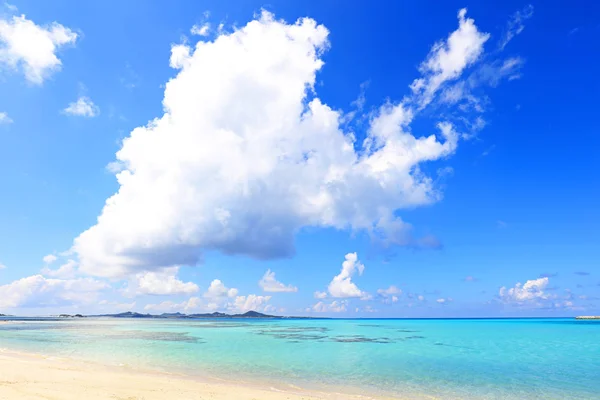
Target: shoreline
x=36, y=376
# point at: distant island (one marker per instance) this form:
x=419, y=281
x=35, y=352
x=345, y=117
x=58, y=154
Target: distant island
x=588, y=317
x=249, y=314
x=177, y=315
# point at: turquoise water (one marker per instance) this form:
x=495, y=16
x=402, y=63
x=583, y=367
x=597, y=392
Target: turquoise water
x=448, y=359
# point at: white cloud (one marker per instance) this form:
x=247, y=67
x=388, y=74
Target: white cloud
x=32, y=48
x=165, y=306
x=320, y=295
x=466, y=93
x=530, y=292
x=389, y=295
x=188, y=306
x=268, y=283
x=269, y=308
x=83, y=107
x=334, y=306
x=389, y=291
x=214, y=172
x=115, y=305
x=361, y=100
x=49, y=259
x=453, y=94
x=180, y=55
x=37, y=291
x=444, y=300
x=5, y=119
x=2, y=266
x=535, y=294
x=201, y=30
x=217, y=298
x=162, y=282
x=218, y=290
x=478, y=125
x=342, y=285
x=447, y=59
x=251, y=302
x=65, y=271
x=516, y=25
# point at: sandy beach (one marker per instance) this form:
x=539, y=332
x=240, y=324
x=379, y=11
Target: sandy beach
x=33, y=377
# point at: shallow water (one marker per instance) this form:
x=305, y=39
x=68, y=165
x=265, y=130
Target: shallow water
x=449, y=359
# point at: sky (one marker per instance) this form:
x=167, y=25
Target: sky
x=390, y=159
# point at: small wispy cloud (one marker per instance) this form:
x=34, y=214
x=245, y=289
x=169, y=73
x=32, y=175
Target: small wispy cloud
x=389, y=295
x=203, y=28
x=470, y=279
x=548, y=275
x=516, y=25
x=501, y=224
x=11, y=7
x=270, y=284
x=466, y=93
x=130, y=79
x=445, y=172
x=5, y=119
x=49, y=259
x=83, y=107
x=360, y=101
x=487, y=151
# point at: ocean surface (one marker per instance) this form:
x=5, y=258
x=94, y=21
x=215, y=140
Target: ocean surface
x=445, y=359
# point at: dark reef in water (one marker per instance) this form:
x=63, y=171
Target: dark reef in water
x=361, y=339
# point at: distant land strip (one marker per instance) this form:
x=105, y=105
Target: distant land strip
x=130, y=314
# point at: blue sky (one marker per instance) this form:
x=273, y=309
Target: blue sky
x=289, y=146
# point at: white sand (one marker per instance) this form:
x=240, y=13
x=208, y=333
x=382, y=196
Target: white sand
x=31, y=376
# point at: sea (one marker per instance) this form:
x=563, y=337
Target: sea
x=404, y=358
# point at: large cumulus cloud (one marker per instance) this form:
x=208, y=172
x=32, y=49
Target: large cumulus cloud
x=246, y=154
